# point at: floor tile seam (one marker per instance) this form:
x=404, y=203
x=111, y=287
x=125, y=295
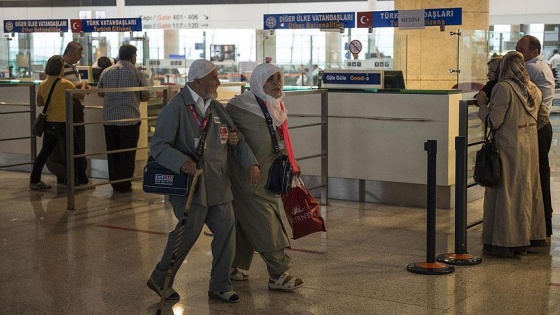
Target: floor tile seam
x=81, y=215
x=361, y=296
x=208, y=306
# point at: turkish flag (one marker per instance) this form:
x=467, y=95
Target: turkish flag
x=365, y=19
x=76, y=25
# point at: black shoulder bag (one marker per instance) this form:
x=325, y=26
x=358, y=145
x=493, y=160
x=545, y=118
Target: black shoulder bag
x=160, y=180
x=41, y=120
x=488, y=166
x=280, y=174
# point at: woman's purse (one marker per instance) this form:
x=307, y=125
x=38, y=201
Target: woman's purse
x=488, y=165
x=281, y=171
x=41, y=120
x=280, y=175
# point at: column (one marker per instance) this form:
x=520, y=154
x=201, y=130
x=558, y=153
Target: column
x=427, y=55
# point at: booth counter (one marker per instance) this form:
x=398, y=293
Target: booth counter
x=376, y=144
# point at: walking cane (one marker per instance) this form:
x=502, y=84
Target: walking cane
x=196, y=174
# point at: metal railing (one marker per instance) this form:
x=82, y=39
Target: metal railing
x=167, y=90
x=70, y=156
x=30, y=111
x=464, y=133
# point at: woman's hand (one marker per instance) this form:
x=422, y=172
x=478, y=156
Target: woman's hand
x=253, y=174
x=232, y=137
x=481, y=99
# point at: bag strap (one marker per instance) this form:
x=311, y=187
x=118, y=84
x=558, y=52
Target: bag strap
x=49, y=96
x=285, y=135
x=270, y=125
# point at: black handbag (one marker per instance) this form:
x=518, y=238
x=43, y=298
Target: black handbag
x=280, y=174
x=41, y=120
x=488, y=165
x=161, y=180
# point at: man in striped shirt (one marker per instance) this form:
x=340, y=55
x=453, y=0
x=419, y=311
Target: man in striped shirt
x=119, y=106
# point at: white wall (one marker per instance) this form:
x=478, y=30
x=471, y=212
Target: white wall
x=524, y=12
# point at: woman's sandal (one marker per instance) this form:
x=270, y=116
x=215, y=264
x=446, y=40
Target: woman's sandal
x=285, y=283
x=229, y=296
x=238, y=275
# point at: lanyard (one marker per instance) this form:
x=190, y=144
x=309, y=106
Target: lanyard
x=203, y=125
x=201, y=122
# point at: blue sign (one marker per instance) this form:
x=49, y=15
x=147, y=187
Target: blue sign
x=310, y=20
x=107, y=25
x=349, y=78
x=35, y=26
x=432, y=17
x=175, y=56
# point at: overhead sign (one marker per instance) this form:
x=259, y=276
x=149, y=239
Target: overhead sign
x=432, y=17
x=175, y=21
x=106, y=25
x=309, y=20
x=35, y=26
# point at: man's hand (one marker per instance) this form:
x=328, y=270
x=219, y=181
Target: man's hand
x=188, y=167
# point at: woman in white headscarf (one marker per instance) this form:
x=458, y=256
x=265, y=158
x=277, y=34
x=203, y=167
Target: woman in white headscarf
x=257, y=210
x=513, y=210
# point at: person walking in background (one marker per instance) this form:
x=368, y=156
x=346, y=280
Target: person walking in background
x=513, y=216
x=257, y=210
x=55, y=128
x=303, y=76
x=194, y=131
x=554, y=61
x=56, y=162
x=541, y=74
x=119, y=106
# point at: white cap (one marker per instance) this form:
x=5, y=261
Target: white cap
x=199, y=69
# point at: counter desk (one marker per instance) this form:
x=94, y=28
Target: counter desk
x=376, y=144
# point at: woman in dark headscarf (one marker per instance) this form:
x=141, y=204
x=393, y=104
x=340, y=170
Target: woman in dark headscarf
x=485, y=93
x=513, y=210
x=257, y=210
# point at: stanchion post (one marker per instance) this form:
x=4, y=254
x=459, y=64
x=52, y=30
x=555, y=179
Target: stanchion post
x=461, y=257
x=430, y=266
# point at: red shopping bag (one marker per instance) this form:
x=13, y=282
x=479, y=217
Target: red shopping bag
x=302, y=211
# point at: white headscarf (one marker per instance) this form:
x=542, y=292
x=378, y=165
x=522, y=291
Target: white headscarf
x=199, y=69
x=247, y=100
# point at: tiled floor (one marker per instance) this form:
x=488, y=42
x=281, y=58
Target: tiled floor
x=96, y=260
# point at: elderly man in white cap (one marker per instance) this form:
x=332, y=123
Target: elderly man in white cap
x=194, y=131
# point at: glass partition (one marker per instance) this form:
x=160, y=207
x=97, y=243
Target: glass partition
x=302, y=53
x=471, y=59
